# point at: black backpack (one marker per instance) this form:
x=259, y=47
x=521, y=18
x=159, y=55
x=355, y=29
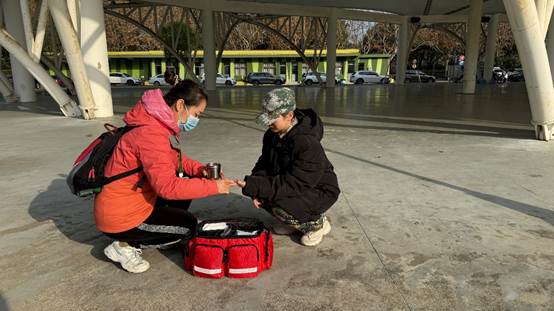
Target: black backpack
x=87, y=175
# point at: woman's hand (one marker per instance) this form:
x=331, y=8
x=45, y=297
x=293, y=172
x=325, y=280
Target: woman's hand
x=203, y=172
x=224, y=185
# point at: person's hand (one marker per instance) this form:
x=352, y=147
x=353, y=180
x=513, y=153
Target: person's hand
x=257, y=203
x=224, y=185
x=240, y=183
x=203, y=172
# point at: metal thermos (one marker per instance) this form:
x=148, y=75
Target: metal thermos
x=213, y=170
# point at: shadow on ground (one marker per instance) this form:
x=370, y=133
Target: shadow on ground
x=43, y=105
x=3, y=303
x=453, y=128
x=530, y=210
x=73, y=216
x=534, y=211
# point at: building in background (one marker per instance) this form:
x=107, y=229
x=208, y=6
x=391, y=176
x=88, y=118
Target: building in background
x=237, y=64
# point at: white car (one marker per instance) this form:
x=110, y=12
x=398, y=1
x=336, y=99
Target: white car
x=221, y=80
x=157, y=80
x=311, y=78
x=123, y=78
x=361, y=77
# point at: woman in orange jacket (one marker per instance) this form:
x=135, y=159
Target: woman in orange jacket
x=149, y=208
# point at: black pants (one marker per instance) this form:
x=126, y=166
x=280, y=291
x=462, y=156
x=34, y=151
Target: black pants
x=309, y=206
x=169, y=223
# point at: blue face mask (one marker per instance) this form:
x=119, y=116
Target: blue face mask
x=191, y=123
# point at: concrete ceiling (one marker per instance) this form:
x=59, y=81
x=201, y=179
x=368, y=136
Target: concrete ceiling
x=402, y=7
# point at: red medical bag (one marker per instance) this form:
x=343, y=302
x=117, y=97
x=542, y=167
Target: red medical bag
x=235, y=248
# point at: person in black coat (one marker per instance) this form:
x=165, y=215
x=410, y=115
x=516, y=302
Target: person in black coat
x=293, y=179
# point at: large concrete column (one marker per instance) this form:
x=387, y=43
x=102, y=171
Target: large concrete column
x=550, y=48
x=490, y=51
x=209, y=48
x=331, y=47
x=528, y=35
x=95, y=55
x=72, y=50
x=472, y=45
x=74, y=11
x=67, y=105
x=403, y=51
x=544, y=12
x=23, y=82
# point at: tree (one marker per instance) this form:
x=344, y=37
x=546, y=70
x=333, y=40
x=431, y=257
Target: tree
x=122, y=36
x=380, y=38
x=184, y=41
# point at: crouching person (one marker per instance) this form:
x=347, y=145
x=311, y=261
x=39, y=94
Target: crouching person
x=293, y=179
x=149, y=207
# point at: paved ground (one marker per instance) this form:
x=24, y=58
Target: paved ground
x=441, y=209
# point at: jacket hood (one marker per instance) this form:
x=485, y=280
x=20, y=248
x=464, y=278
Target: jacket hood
x=152, y=109
x=309, y=123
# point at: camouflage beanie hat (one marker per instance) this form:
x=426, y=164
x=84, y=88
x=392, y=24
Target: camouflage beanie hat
x=275, y=103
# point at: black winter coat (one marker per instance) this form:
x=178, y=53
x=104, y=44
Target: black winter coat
x=295, y=166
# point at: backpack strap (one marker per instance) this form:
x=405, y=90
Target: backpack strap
x=123, y=175
x=176, y=144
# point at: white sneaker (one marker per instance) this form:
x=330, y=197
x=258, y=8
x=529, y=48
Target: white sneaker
x=315, y=237
x=128, y=256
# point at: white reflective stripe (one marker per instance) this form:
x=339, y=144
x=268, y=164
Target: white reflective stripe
x=207, y=271
x=243, y=270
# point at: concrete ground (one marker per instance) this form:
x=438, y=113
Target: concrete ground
x=446, y=204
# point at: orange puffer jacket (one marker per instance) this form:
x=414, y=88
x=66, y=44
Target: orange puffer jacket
x=121, y=205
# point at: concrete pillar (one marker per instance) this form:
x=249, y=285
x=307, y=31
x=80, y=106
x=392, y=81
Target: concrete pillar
x=331, y=47
x=23, y=82
x=72, y=50
x=209, y=48
x=490, y=51
x=27, y=26
x=472, y=45
x=95, y=55
x=528, y=36
x=550, y=48
x=544, y=12
x=67, y=105
x=345, y=70
x=41, y=29
x=182, y=71
x=153, y=72
x=74, y=12
x=164, y=66
x=402, y=53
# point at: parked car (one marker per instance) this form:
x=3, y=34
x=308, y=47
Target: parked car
x=123, y=78
x=499, y=75
x=418, y=76
x=311, y=78
x=258, y=78
x=516, y=75
x=361, y=77
x=221, y=80
x=157, y=80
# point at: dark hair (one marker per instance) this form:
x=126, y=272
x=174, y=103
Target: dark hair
x=170, y=77
x=187, y=90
